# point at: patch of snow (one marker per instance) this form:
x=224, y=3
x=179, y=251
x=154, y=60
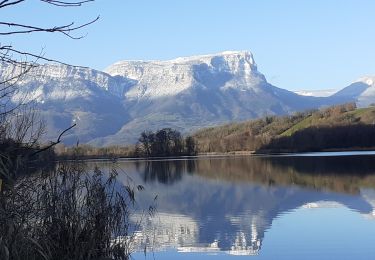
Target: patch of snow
x=316, y=92
x=369, y=80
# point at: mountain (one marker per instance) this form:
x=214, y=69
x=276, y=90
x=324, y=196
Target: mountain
x=114, y=106
x=361, y=91
x=194, y=92
x=66, y=95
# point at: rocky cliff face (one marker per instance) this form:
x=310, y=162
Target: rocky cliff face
x=155, y=79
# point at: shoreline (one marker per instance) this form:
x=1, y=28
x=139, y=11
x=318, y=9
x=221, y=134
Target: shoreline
x=218, y=155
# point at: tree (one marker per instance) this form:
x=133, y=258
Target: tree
x=165, y=142
x=190, y=146
x=146, y=140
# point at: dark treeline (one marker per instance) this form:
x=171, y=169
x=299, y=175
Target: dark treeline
x=165, y=142
x=323, y=138
x=20, y=151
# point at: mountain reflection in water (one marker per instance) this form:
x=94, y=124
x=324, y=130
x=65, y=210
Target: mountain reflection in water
x=227, y=204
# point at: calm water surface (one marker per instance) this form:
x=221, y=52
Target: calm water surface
x=287, y=207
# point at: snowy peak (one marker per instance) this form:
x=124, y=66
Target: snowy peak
x=234, y=61
x=228, y=60
x=155, y=79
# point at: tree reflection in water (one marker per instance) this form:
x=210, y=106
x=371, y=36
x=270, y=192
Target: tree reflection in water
x=228, y=203
x=341, y=174
x=167, y=172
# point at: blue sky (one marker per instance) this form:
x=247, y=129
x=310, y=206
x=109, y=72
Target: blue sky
x=297, y=44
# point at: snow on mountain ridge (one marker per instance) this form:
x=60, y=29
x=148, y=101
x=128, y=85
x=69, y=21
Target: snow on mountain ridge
x=155, y=79
x=369, y=80
x=185, y=59
x=361, y=91
x=59, y=81
x=316, y=92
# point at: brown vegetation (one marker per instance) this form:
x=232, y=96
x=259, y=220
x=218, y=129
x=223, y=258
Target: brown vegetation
x=67, y=213
x=85, y=151
x=162, y=143
x=258, y=134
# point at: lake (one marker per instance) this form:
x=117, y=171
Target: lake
x=259, y=207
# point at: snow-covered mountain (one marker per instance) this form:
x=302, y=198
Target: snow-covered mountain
x=156, y=79
x=67, y=95
x=193, y=92
x=362, y=91
x=114, y=106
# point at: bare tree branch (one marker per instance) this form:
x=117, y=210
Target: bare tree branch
x=66, y=3
x=6, y=3
x=36, y=56
x=64, y=29
x=54, y=143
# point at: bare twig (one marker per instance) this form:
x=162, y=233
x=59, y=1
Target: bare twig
x=6, y=3
x=64, y=29
x=54, y=143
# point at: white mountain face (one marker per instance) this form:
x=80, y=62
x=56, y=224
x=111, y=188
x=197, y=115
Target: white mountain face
x=115, y=106
x=41, y=81
x=155, y=79
x=66, y=95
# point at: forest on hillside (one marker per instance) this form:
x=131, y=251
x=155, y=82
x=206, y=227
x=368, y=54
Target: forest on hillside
x=337, y=127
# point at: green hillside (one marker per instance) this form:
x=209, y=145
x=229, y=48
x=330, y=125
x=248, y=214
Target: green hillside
x=257, y=134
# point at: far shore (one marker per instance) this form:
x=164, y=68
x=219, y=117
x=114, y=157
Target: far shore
x=114, y=158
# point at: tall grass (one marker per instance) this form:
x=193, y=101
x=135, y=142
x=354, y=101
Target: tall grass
x=67, y=214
